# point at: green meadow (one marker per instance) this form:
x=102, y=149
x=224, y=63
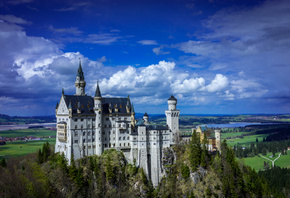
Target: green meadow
x=248, y=139
x=257, y=162
x=20, y=148
x=42, y=132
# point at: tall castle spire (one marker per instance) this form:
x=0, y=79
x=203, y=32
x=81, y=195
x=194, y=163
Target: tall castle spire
x=80, y=71
x=98, y=92
x=80, y=82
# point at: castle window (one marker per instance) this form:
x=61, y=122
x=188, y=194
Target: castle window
x=113, y=138
x=128, y=125
x=113, y=126
x=89, y=133
x=94, y=119
x=76, y=126
x=84, y=140
x=124, y=144
x=99, y=125
x=94, y=146
x=107, y=118
x=125, y=118
x=76, y=133
x=93, y=139
x=82, y=126
x=103, y=133
x=105, y=126
x=128, y=144
x=84, y=147
x=76, y=141
x=89, y=126
x=84, y=133
x=110, y=145
x=113, y=118
x=127, y=138
x=82, y=119
x=119, y=125
x=123, y=138
x=90, y=147
x=105, y=139
x=120, y=144
x=119, y=138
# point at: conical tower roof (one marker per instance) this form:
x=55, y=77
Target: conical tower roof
x=98, y=92
x=80, y=72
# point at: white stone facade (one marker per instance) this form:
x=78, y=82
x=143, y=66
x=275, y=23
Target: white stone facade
x=90, y=125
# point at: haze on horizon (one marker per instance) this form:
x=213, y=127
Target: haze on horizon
x=215, y=57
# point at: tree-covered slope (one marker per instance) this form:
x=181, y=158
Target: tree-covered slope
x=194, y=173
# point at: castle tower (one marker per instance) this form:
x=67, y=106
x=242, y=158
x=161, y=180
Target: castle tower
x=80, y=82
x=98, y=120
x=146, y=118
x=172, y=119
x=218, y=138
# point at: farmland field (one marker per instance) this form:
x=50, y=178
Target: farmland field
x=20, y=148
x=28, y=132
x=257, y=162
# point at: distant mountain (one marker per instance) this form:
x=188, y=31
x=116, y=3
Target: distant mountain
x=6, y=119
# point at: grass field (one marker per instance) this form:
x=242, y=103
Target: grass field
x=42, y=132
x=257, y=162
x=242, y=141
x=20, y=148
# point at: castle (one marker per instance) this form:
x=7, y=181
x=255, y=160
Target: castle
x=90, y=125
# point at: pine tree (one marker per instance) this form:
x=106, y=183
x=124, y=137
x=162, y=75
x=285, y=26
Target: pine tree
x=204, y=154
x=195, y=151
x=3, y=162
x=39, y=157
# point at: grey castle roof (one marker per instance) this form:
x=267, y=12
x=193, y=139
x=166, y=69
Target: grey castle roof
x=86, y=104
x=156, y=127
x=145, y=115
x=80, y=72
x=120, y=103
x=172, y=98
x=151, y=127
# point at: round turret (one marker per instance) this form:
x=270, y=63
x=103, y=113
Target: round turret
x=172, y=102
x=146, y=118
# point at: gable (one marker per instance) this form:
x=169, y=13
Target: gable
x=62, y=108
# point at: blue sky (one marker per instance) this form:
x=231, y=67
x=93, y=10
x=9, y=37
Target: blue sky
x=216, y=56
